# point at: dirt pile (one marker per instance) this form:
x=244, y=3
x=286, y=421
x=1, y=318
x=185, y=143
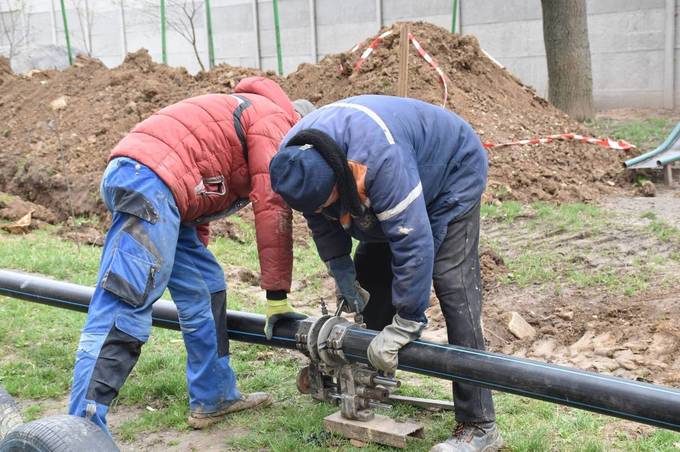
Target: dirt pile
x=6, y=73
x=101, y=106
x=497, y=104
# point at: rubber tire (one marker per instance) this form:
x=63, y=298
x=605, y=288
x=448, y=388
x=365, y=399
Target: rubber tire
x=61, y=433
x=10, y=417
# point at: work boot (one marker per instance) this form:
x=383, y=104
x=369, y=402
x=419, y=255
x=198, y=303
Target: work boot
x=472, y=437
x=203, y=420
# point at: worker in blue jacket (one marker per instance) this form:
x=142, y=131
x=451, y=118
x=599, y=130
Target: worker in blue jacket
x=405, y=178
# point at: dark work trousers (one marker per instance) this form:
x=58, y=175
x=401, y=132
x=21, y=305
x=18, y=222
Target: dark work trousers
x=457, y=283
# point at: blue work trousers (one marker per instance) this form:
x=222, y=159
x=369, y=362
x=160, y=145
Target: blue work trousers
x=146, y=250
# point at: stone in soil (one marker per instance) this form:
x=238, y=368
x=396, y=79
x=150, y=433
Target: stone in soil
x=519, y=327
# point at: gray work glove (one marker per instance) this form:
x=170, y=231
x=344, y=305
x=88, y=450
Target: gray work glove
x=346, y=285
x=352, y=307
x=383, y=349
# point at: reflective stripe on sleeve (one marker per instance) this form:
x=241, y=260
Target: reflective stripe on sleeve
x=403, y=204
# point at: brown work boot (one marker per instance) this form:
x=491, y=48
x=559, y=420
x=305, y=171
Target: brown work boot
x=203, y=420
x=472, y=437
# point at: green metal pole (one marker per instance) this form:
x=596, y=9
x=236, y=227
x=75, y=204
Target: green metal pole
x=277, y=30
x=211, y=44
x=164, y=43
x=68, y=38
x=454, y=13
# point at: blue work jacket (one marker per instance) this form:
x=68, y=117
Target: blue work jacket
x=417, y=166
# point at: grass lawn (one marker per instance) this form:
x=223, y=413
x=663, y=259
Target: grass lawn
x=646, y=134
x=37, y=347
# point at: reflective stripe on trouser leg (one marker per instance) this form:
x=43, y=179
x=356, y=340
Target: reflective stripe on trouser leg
x=196, y=275
x=135, y=266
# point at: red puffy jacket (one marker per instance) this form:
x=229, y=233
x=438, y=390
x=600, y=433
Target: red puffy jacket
x=213, y=152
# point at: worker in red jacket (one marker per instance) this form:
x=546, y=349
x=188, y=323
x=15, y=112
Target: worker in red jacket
x=188, y=164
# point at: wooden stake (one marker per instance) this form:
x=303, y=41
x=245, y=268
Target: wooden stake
x=402, y=87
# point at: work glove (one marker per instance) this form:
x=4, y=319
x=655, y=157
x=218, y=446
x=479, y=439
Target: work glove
x=356, y=307
x=346, y=285
x=277, y=310
x=383, y=349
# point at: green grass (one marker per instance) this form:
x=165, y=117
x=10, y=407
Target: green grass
x=568, y=217
x=649, y=215
x=543, y=267
x=37, y=348
x=507, y=211
x=571, y=216
x=43, y=252
x=664, y=231
x=645, y=134
x=541, y=263
x=532, y=268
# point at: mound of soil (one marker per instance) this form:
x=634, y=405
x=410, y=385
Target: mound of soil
x=496, y=103
x=492, y=100
x=99, y=107
x=55, y=156
x=6, y=73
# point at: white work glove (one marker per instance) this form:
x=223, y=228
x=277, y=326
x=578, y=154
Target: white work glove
x=383, y=349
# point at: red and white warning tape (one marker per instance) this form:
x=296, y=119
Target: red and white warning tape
x=604, y=142
x=426, y=56
x=366, y=53
x=431, y=61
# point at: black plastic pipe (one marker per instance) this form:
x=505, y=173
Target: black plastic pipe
x=242, y=326
x=642, y=402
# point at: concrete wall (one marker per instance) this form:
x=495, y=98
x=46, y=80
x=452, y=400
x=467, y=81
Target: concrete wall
x=635, y=44
x=627, y=43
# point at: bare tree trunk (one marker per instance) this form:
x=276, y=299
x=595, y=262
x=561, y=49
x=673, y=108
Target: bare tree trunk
x=14, y=25
x=85, y=17
x=89, y=20
x=193, y=39
x=567, y=48
x=198, y=56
